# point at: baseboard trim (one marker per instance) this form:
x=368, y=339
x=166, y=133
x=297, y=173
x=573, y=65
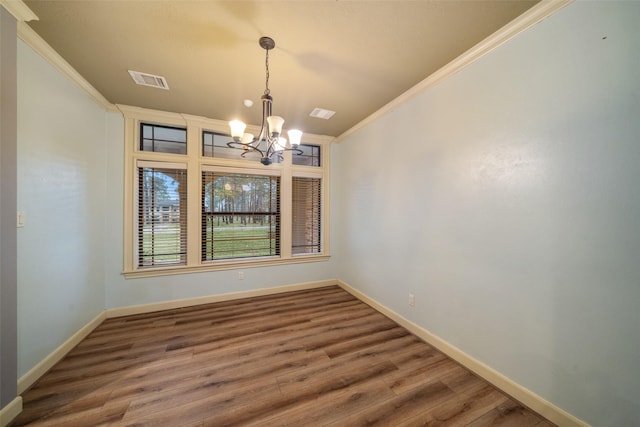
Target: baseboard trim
x=28, y=379
x=11, y=411
x=515, y=390
x=188, y=302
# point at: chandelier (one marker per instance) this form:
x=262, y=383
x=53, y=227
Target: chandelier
x=269, y=143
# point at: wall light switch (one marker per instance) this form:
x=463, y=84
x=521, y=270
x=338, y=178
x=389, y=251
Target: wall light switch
x=240, y=275
x=21, y=219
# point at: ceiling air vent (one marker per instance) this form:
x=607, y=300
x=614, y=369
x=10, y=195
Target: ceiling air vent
x=145, y=79
x=321, y=113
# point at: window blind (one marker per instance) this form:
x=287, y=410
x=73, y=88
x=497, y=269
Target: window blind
x=162, y=216
x=306, y=224
x=240, y=215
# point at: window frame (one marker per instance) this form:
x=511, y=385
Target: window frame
x=195, y=163
x=320, y=225
x=245, y=171
x=142, y=124
x=142, y=164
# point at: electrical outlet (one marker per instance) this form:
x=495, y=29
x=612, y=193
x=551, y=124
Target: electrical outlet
x=412, y=300
x=240, y=275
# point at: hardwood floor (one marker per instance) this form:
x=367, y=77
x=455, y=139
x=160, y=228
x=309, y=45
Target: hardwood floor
x=318, y=357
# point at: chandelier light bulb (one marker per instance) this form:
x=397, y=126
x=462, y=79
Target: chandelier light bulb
x=275, y=125
x=247, y=138
x=295, y=136
x=281, y=144
x=237, y=129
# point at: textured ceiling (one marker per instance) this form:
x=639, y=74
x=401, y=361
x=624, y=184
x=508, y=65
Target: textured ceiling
x=352, y=57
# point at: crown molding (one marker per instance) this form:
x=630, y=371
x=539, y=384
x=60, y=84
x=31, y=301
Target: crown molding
x=537, y=13
x=19, y=10
x=37, y=43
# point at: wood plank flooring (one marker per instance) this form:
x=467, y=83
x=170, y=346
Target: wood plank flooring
x=310, y=358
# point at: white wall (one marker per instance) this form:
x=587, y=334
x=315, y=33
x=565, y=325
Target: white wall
x=506, y=199
x=62, y=180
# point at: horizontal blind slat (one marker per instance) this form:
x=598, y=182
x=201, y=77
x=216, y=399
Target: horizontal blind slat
x=306, y=223
x=240, y=215
x=162, y=204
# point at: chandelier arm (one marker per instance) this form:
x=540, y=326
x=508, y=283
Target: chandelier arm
x=271, y=150
x=295, y=150
x=246, y=147
x=245, y=152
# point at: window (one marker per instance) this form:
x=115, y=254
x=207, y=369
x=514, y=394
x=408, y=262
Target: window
x=162, y=203
x=306, y=221
x=240, y=216
x=163, y=139
x=192, y=203
x=215, y=145
x=309, y=156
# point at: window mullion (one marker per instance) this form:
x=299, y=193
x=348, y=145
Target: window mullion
x=194, y=236
x=130, y=199
x=285, y=214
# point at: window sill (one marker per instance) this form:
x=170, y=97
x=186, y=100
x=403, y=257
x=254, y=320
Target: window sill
x=221, y=265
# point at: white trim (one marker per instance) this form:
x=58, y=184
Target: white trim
x=188, y=302
x=159, y=164
x=37, y=43
x=307, y=173
x=507, y=385
x=28, y=379
x=537, y=13
x=242, y=171
x=152, y=116
x=11, y=411
x=222, y=265
x=204, y=123
x=19, y=10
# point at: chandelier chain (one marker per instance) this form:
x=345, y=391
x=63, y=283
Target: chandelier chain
x=266, y=82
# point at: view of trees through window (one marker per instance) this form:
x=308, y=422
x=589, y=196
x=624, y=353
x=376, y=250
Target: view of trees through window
x=161, y=216
x=240, y=215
